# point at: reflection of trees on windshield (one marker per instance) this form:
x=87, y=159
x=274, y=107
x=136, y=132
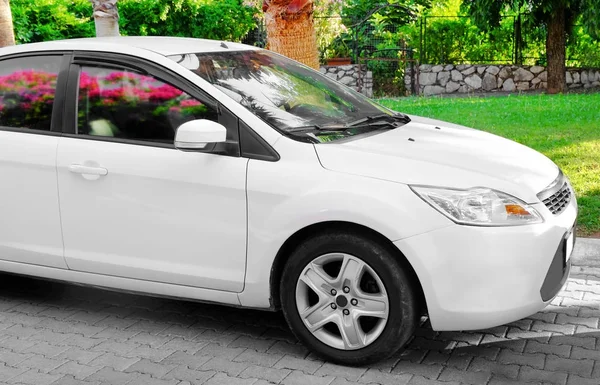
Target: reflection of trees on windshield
x=239, y=77
x=268, y=102
x=278, y=90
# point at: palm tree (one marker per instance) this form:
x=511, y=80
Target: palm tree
x=7, y=34
x=291, y=30
x=106, y=17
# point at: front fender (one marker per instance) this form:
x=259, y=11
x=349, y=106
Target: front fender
x=286, y=196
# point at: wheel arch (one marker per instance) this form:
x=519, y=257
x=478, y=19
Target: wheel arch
x=307, y=232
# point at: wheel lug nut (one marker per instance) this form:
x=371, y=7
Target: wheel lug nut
x=333, y=292
x=354, y=302
x=346, y=311
x=346, y=289
x=333, y=306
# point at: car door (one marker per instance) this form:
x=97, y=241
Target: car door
x=131, y=204
x=30, y=89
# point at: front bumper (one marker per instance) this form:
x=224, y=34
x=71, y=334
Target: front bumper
x=558, y=272
x=481, y=277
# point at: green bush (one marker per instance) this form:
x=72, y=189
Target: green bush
x=210, y=19
x=450, y=40
x=62, y=19
x=446, y=38
x=583, y=50
x=51, y=20
x=455, y=40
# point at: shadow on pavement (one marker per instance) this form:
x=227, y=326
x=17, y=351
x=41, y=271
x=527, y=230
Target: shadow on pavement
x=553, y=346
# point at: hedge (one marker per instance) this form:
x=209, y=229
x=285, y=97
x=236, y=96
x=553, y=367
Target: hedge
x=44, y=20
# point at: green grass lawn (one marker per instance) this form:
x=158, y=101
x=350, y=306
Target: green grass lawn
x=566, y=128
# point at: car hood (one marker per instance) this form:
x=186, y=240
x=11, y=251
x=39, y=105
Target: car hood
x=432, y=152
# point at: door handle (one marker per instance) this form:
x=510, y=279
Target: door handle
x=87, y=170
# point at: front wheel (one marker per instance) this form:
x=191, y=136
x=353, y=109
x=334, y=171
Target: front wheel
x=348, y=298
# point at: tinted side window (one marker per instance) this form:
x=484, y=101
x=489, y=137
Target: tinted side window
x=27, y=89
x=127, y=105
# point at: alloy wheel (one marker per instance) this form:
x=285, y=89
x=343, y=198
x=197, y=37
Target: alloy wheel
x=342, y=301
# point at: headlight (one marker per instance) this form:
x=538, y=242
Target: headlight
x=479, y=206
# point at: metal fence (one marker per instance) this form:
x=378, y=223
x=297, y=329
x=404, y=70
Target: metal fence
x=390, y=51
x=378, y=47
x=456, y=40
x=258, y=36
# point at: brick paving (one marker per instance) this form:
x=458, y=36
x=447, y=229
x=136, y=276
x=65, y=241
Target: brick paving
x=52, y=333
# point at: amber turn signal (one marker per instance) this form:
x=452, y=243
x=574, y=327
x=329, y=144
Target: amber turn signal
x=516, y=210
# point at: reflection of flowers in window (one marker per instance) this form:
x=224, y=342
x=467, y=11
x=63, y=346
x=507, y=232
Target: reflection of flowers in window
x=145, y=93
x=26, y=99
x=129, y=105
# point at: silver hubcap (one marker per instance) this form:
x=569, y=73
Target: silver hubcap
x=342, y=301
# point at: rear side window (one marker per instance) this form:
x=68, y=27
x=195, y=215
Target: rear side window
x=27, y=90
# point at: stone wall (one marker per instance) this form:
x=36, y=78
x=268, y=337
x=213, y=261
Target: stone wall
x=349, y=76
x=463, y=78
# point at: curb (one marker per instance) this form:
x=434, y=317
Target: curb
x=586, y=252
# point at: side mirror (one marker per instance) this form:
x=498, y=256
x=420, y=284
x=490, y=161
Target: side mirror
x=197, y=135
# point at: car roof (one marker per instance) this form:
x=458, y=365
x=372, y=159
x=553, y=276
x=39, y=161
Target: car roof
x=160, y=44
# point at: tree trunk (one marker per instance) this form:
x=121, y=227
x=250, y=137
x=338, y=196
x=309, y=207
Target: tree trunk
x=106, y=17
x=291, y=30
x=7, y=34
x=556, y=51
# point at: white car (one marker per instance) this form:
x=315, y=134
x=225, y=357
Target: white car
x=219, y=172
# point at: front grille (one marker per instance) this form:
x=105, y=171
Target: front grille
x=557, y=202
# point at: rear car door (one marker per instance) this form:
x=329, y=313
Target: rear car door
x=31, y=87
x=132, y=205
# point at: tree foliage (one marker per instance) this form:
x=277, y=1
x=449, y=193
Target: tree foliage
x=557, y=16
x=51, y=20
x=378, y=29
x=218, y=19
x=372, y=25
x=487, y=14
x=455, y=40
x=397, y=12
x=452, y=39
x=63, y=19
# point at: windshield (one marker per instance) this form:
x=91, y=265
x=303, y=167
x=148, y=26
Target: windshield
x=286, y=94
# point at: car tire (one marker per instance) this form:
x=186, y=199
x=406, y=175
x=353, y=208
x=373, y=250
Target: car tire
x=348, y=298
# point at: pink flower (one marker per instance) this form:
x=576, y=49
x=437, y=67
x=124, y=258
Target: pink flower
x=34, y=89
x=190, y=103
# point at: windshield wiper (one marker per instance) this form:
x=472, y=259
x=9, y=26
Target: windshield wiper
x=319, y=127
x=374, y=118
x=369, y=121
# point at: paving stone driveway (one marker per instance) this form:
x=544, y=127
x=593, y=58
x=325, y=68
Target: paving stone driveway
x=53, y=333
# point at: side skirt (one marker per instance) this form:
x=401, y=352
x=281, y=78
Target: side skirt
x=120, y=284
